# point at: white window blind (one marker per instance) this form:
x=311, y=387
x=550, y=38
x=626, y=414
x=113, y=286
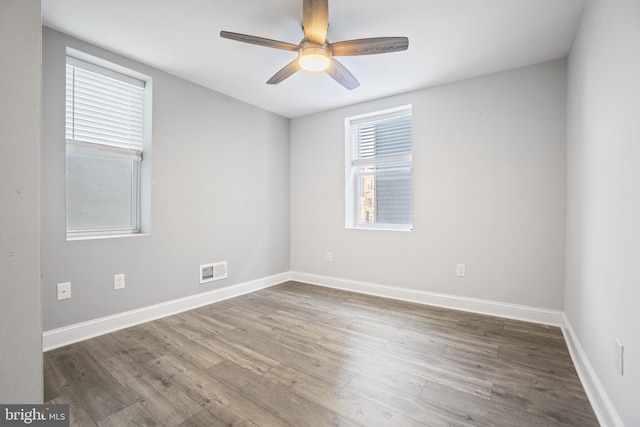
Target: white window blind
x=381, y=163
x=103, y=106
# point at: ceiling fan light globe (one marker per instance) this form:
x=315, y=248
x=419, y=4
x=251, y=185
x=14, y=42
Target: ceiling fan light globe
x=314, y=62
x=314, y=58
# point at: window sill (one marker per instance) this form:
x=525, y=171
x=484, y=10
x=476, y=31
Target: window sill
x=106, y=236
x=380, y=229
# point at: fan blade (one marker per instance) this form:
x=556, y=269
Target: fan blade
x=315, y=20
x=259, y=41
x=339, y=73
x=286, y=72
x=370, y=46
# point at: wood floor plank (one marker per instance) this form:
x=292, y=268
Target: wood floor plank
x=474, y=410
x=126, y=369
x=90, y=383
x=510, y=373
x=166, y=402
x=224, y=402
x=54, y=381
x=199, y=318
x=303, y=355
x=175, y=340
x=433, y=367
x=415, y=332
x=326, y=328
x=397, y=400
x=235, y=408
x=318, y=367
x=299, y=410
x=543, y=331
x=203, y=418
x=348, y=405
x=533, y=360
x=550, y=408
x=134, y=415
x=352, y=359
x=78, y=415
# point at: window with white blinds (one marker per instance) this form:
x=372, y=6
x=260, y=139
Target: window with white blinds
x=379, y=187
x=105, y=139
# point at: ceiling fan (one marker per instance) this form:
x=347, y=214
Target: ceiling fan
x=315, y=53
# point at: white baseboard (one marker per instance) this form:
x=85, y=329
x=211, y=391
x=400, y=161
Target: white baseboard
x=81, y=331
x=493, y=308
x=598, y=397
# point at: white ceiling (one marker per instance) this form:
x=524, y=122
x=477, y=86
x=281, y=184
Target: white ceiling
x=448, y=40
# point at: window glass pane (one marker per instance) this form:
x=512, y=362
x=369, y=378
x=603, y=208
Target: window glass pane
x=393, y=198
x=387, y=137
x=99, y=192
x=385, y=194
x=368, y=197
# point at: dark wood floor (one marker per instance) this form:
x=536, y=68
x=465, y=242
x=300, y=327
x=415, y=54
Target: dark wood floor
x=301, y=355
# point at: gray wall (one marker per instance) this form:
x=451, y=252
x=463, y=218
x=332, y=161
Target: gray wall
x=219, y=191
x=489, y=192
x=20, y=308
x=603, y=209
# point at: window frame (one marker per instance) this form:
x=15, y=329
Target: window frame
x=115, y=150
x=353, y=190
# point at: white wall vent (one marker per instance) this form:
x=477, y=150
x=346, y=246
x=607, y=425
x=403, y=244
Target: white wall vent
x=211, y=272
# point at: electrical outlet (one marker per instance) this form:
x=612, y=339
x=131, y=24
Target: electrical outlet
x=619, y=357
x=118, y=281
x=64, y=290
x=461, y=270
x=329, y=256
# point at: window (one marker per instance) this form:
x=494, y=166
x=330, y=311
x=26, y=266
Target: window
x=105, y=121
x=378, y=178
